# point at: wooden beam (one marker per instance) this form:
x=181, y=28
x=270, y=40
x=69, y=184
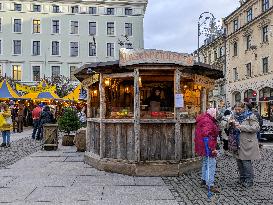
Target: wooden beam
x=102, y=116
x=178, y=137
x=119, y=75
x=137, y=114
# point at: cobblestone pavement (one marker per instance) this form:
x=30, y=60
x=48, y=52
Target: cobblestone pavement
x=21, y=146
x=187, y=190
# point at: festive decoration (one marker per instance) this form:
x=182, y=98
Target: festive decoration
x=69, y=121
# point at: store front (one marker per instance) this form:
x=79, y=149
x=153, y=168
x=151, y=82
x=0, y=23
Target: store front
x=142, y=110
x=266, y=103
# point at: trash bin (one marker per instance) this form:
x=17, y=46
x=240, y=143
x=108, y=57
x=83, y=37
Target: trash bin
x=50, y=135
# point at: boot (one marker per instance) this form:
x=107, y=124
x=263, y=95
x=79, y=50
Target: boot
x=3, y=145
x=203, y=183
x=214, y=189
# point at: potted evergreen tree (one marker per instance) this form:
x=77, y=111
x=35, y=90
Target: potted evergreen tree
x=68, y=123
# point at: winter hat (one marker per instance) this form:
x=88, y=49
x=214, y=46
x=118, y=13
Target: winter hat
x=227, y=112
x=212, y=112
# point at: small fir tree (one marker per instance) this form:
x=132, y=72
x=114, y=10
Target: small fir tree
x=69, y=121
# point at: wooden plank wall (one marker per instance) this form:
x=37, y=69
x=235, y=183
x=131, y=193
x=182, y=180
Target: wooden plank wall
x=94, y=135
x=120, y=141
x=157, y=142
x=187, y=140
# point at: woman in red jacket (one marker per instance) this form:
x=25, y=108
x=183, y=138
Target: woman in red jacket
x=206, y=126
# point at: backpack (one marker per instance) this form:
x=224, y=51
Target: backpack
x=233, y=139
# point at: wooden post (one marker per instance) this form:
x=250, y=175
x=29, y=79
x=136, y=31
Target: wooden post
x=137, y=115
x=203, y=100
x=178, y=137
x=102, y=116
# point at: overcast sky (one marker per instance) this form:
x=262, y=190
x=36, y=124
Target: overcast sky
x=172, y=24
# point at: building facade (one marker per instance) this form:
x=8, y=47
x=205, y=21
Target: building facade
x=53, y=38
x=249, y=50
x=213, y=53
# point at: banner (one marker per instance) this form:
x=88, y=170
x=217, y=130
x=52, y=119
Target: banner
x=32, y=89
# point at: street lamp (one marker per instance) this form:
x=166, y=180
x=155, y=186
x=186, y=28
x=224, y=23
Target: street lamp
x=205, y=16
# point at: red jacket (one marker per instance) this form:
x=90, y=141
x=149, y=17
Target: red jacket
x=36, y=113
x=206, y=126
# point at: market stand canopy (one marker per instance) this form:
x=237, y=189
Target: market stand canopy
x=41, y=87
x=6, y=91
x=75, y=95
x=42, y=96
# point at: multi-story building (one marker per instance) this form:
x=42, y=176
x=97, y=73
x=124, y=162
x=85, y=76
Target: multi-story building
x=51, y=38
x=213, y=53
x=249, y=54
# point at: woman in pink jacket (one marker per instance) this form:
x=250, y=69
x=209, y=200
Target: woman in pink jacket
x=206, y=126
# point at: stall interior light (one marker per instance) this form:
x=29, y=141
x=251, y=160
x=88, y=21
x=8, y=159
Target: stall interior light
x=95, y=93
x=140, y=82
x=127, y=89
x=107, y=82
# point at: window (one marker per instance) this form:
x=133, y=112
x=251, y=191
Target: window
x=1, y=6
x=17, y=25
x=235, y=49
x=128, y=45
x=110, y=49
x=75, y=9
x=17, y=47
x=0, y=24
x=215, y=55
x=92, y=28
x=36, y=48
x=248, y=42
x=37, y=8
x=265, y=33
x=128, y=11
x=74, y=27
x=74, y=49
x=1, y=47
x=222, y=51
x=55, y=49
x=72, y=72
x=249, y=15
x=265, y=5
x=110, y=11
x=36, y=26
x=36, y=73
x=235, y=25
x=92, y=49
x=265, y=65
x=17, y=72
x=55, y=26
x=92, y=10
x=17, y=7
x=248, y=70
x=209, y=58
x=110, y=28
x=235, y=74
x=128, y=29
x=56, y=71
x=55, y=9
x=1, y=70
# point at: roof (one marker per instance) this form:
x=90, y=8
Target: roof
x=6, y=91
x=113, y=67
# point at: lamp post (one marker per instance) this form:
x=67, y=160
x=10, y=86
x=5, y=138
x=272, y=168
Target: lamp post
x=205, y=16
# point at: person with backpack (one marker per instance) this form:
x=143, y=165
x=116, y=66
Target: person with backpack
x=206, y=127
x=248, y=148
x=46, y=117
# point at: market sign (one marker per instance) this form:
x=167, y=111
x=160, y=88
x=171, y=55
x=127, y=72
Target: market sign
x=34, y=89
x=204, y=81
x=91, y=80
x=133, y=57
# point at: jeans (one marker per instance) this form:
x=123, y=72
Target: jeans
x=245, y=171
x=6, y=136
x=36, y=124
x=208, y=170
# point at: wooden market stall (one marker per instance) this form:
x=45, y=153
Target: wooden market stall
x=142, y=109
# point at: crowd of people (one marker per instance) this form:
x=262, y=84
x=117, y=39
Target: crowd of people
x=237, y=132
x=14, y=117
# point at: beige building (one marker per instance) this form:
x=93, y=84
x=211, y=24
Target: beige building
x=249, y=49
x=213, y=53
